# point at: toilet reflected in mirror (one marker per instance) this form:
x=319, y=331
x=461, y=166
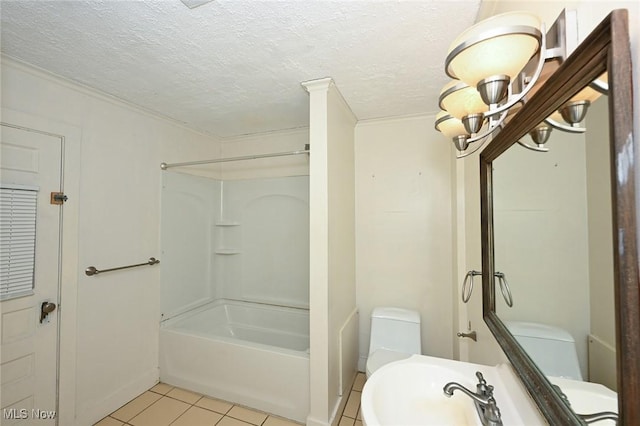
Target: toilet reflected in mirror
x=551, y=348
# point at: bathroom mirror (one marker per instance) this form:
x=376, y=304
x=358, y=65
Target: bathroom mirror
x=605, y=49
x=553, y=246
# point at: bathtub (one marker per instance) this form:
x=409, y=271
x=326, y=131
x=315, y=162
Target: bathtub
x=247, y=353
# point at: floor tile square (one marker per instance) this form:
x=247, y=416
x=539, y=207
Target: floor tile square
x=247, y=415
x=213, y=404
x=135, y=406
x=161, y=388
x=277, y=421
x=196, y=416
x=160, y=413
x=230, y=421
x=358, y=383
x=184, y=395
x=109, y=421
x=346, y=421
x=353, y=403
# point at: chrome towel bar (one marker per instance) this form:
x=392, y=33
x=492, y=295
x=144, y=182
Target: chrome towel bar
x=92, y=270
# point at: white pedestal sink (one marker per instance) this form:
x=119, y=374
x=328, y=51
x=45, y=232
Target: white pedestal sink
x=409, y=392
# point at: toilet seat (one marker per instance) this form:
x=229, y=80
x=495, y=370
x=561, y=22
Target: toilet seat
x=382, y=357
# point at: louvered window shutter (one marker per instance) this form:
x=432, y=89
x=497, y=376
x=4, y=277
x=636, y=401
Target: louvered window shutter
x=17, y=240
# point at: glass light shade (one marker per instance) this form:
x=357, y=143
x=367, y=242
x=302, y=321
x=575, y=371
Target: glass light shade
x=463, y=101
x=450, y=127
x=502, y=44
x=586, y=94
x=557, y=117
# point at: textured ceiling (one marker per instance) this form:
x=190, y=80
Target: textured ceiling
x=235, y=67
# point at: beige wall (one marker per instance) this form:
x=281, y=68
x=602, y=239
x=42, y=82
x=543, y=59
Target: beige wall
x=404, y=227
x=119, y=151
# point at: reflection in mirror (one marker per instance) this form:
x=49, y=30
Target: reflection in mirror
x=570, y=247
x=552, y=228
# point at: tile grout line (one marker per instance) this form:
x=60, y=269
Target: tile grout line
x=191, y=405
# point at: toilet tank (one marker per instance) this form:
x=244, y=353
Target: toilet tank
x=553, y=349
x=395, y=329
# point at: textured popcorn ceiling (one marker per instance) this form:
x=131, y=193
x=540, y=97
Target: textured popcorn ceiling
x=234, y=67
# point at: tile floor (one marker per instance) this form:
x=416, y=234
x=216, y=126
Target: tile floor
x=164, y=405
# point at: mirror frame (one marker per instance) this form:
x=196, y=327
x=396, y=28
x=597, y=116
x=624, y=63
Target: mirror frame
x=605, y=49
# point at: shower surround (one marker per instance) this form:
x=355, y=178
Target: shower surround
x=235, y=289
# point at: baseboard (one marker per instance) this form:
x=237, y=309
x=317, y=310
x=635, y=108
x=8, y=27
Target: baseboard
x=312, y=421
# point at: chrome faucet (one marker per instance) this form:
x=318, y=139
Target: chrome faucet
x=483, y=399
x=596, y=417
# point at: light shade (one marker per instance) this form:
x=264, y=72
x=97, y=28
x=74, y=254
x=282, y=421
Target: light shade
x=502, y=44
x=448, y=125
x=459, y=99
x=586, y=94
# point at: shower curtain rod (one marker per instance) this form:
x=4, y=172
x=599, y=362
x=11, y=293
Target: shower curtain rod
x=165, y=166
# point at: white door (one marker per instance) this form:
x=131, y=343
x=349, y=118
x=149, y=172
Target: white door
x=30, y=161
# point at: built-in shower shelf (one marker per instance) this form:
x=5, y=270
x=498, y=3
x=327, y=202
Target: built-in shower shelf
x=227, y=251
x=227, y=223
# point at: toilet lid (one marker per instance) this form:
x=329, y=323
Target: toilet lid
x=383, y=357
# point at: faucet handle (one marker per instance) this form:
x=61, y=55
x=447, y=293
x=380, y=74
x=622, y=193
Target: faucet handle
x=482, y=388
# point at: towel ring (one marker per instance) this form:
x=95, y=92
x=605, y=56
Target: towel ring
x=467, y=285
x=504, y=288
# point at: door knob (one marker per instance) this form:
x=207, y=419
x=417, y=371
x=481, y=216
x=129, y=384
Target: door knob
x=45, y=309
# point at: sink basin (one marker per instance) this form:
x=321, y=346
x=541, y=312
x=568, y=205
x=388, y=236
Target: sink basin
x=409, y=392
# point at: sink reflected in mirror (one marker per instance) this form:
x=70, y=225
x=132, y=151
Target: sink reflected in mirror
x=586, y=398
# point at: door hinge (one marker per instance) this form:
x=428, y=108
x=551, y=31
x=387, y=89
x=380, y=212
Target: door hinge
x=58, y=198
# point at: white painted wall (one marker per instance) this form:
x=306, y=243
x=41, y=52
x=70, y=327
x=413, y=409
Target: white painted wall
x=332, y=248
x=116, y=323
x=404, y=227
x=602, y=339
x=341, y=245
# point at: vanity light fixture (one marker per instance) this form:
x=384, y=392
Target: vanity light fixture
x=494, y=65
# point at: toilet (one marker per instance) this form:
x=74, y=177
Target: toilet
x=395, y=335
x=553, y=349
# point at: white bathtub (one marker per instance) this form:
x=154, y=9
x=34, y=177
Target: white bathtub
x=247, y=353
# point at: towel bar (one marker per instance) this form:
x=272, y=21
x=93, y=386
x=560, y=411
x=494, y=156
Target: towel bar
x=92, y=270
